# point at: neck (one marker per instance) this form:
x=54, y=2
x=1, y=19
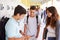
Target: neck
x=32, y=15
x=59, y=17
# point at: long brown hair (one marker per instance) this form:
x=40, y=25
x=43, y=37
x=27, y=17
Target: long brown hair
x=53, y=19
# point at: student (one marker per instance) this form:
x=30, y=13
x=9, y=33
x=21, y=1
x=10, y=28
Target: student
x=38, y=10
x=12, y=27
x=52, y=17
x=32, y=24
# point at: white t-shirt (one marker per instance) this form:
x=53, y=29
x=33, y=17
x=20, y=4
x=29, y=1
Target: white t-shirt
x=12, y=29
x=32, y=25
x=51, y=32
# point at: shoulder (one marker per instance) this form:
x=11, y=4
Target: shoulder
x=48, y=27
x=10, y=22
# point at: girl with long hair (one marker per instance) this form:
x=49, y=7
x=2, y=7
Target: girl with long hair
x=52, y=18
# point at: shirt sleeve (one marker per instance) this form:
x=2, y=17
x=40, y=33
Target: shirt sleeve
x=25, y=20
x=10, y=30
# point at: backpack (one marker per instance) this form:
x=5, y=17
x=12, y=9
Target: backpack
x=36, y=19
x=3, y=22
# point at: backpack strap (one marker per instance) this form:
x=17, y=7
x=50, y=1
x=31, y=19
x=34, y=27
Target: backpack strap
x=45, y=32
x=37, y=19
x=27, y=18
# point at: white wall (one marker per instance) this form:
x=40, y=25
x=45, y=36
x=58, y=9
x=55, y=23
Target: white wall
x=11, y=3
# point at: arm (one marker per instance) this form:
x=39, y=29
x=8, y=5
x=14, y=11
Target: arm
x=10, y=38
x=38, y=29
x=25, y=28
x=25, y=25
x=15, y=38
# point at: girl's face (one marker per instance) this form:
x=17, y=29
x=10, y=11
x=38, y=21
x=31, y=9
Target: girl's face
x=49, y=14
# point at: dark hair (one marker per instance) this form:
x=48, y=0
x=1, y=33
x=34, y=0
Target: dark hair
x=53, y=19
x=19, y=10
x=32, y=7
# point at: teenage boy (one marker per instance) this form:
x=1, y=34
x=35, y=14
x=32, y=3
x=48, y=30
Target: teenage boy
x=12, y=27
x=32, y=24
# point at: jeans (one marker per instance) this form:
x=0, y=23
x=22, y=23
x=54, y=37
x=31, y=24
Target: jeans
x=51, y=38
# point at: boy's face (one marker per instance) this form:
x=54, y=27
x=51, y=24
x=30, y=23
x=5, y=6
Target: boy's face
x=20, y=16
x=32, y=12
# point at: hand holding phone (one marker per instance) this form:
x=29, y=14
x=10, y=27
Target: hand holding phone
x=22, y=33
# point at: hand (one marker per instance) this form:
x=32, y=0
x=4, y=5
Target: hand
x=22, y=33
x=42, y=39
x=37, y=36
x=27, y=37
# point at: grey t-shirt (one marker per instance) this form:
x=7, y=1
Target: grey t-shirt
x=32, y=25
x=58, y=30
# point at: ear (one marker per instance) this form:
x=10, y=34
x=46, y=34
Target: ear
x=18, y=14
x=51, y=14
